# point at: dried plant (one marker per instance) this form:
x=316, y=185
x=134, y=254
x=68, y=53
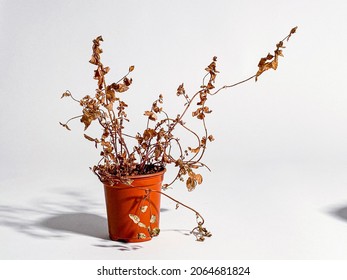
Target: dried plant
x=157, y=146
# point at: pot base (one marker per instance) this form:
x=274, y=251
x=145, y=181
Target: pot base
x=129, y=240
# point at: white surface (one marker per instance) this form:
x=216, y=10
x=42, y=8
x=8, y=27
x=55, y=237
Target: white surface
x=278, y=184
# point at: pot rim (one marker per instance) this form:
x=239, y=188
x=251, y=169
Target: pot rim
x=105, y=178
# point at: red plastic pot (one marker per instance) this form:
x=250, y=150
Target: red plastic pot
x=133, y=210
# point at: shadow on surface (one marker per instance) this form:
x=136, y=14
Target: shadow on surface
x=81, y=223
x=62, y=214
x=57, y=215
x=340, y=213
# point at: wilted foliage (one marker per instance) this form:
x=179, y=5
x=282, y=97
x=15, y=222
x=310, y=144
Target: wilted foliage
x=154, y=146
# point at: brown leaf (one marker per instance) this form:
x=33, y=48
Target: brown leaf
x=180, y=90
x=201, y=116
x=110, y=94
x=263, y=68
x=109, y=106
x=279, y=53
x=191, y=184
x=121, y=88
x=142, y=225
x=292, y=31
x=127, y=81
x=155, y=232
x=149, y=133
x=196, y=112
x=210, y=86
x=280, y=45
x=65, y=125
x=207, y=110
x=66, y=94
x=134, y=218
x=99, y=38
x=151, y=115
x=94, y=60
x=106, y=70
x=196, y=150
x=95, y=140
x=211, y=138
x=106, y=146
x=141, y=236
x=274, y=63
x=198, y=178
x=131, y=68
x=161, y=98
x=153, y=219
x=89, y=138
x=87, y=120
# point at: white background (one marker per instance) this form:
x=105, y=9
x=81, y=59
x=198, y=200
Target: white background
x=277, y=189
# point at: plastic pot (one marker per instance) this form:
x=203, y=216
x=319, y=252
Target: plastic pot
x=133, y=210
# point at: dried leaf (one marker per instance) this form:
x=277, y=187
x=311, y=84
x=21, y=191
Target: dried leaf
x=161, y=98
x=109, y=106
x=131, y=68
x=210, y=86
x=89, y=138
x=121, y=88
x=201, y=116
x=279, y=53
x=94, y=60
x=127, y=81
x=180, y=90
x=211, y=138
x=195, y=150
x=153, y=219
x=106, y=70
x=196, y=112
x=65, y=125
x=144, y=208
x=142, y=225
x=292, y=31
x=110, y=94
x=134, y=218
x=151, y=115
x=149, y=133
x=198, y=178
x=155, y=232
x=99, y=38
x=280, y=45
x=141, y=236
x=95, y=140
x=191, y=184
x=274, y=63
x=87, y=120
x=207, y=110
x=66, y=94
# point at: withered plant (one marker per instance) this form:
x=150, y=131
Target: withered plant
x=157, y=146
